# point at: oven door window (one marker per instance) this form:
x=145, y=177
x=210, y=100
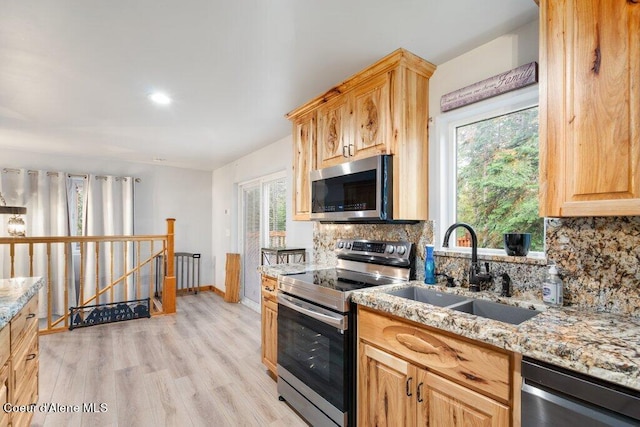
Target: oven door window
x=316, y=353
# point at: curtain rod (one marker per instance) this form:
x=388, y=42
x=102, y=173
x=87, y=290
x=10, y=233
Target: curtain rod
x=118, y=178
x=70, y=175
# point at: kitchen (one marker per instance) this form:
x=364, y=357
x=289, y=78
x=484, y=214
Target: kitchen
x=566, y=238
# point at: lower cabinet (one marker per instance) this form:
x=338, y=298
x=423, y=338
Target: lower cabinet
x=269, y=324
x=4, y=394
x=19, y=365
x=409, y=375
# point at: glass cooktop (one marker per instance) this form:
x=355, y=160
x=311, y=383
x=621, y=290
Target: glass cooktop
x=341, y=280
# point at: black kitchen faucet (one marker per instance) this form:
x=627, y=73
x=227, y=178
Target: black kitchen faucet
x=475, y=276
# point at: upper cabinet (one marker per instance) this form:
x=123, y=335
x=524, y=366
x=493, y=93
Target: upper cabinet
x=380, y=110
x=335, y=137
x=589, y=108
x=372, y=115
x=304, y=128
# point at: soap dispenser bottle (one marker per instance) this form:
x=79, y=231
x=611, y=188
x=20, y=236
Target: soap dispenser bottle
x=429, y=266
x=552, y=288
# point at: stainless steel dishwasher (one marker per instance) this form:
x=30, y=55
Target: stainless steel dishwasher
x=553, y=396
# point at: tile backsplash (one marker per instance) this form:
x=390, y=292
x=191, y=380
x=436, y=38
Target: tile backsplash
x=326, y=235
x=598, y=259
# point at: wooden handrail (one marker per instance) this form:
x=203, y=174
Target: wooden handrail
x=129, y=274
x=81, y=239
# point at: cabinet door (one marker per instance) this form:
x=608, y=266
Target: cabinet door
x=4, y=393
x=386, y=389
x=270, y=334
x=304, y=130
x=445, y=403
x=372, y=117
x=334, y=132
x=590, y=108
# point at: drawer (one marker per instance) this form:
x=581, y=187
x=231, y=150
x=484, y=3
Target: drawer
x=272, y=297
x=472, y=365
x=24, y=362
x=27, y=397
x=5, y=346
x=29, y=393
x=4, y=394
x=21, y=321
x=269, y=300
x=269, y=283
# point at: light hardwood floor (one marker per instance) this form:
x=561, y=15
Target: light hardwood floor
x=200, y=367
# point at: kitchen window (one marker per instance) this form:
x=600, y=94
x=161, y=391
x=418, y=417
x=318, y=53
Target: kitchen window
x=488, y=171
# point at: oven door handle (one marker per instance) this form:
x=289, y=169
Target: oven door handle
x=323, y=316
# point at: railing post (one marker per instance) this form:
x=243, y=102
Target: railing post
x=169, y=290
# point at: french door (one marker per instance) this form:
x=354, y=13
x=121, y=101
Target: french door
x=262, y=224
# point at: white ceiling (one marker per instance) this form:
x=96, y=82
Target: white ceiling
x=75, y=75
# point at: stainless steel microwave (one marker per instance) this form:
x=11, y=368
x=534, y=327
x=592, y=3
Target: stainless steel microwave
x=361, y=190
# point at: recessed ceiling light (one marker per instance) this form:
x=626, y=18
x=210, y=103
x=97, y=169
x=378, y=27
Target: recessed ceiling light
x=160, y=98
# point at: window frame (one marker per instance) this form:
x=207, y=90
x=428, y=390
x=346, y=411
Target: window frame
x=444, y=177
x=264, y=209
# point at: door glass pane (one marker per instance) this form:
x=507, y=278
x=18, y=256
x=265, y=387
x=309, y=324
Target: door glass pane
x=251, y=244
x=276, y=193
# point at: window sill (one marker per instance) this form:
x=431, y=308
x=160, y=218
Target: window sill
x=531, y=259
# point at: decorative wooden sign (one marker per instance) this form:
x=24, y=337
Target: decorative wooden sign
x=517, y=78
x=90, y=315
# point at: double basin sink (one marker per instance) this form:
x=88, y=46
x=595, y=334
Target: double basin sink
x=487, y=309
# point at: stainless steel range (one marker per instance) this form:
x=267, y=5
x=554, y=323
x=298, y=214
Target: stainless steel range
x=316, y=327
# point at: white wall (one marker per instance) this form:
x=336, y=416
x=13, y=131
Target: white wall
x=164, y=192
x=275, y=157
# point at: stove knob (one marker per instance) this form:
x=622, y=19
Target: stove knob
x=390, y=249
x=401, y=250
x=340, y=244
x=348, y=245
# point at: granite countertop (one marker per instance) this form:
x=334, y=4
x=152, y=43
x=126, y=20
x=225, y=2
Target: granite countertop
x=277, y=269
x=602, y=345
x=14, y=294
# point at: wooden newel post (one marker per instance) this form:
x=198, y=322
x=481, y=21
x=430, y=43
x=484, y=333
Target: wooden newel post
x=169, y=291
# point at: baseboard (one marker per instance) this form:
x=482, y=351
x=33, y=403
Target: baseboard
x=209, y=288
x=217, y=291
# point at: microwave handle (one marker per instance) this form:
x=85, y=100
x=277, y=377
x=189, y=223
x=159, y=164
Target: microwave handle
x=337, y=321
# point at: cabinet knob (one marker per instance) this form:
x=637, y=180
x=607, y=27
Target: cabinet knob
x=31, y=356
x=408, y=387
x=419, y=392
x=344, y=151
x=31, y=315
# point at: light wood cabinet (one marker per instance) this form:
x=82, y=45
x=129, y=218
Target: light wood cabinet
x=304, y=129
x=372, y=117
x=4, y=393
x=19, y=371
x=413, y=375
x=589, y=108
x=445, y=403
x=335, y=132
x=269, y=324
x=381, y=110
x=385, y=388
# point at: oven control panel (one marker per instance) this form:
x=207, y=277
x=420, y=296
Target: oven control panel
x=377, y=248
